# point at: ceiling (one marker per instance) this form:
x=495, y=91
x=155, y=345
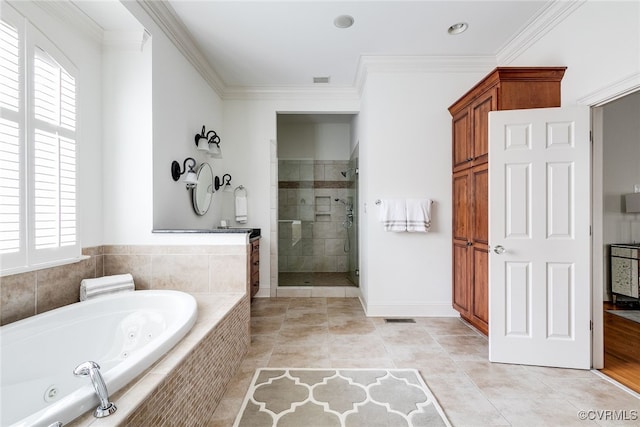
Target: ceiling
x=288, y=43
x=285, y=44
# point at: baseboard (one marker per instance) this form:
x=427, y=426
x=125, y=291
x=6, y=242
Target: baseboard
x=411, y=310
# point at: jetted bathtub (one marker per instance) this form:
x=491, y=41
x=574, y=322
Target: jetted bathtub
x=124, y=333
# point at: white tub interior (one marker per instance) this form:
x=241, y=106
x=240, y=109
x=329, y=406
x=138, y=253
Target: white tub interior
x=124, y=333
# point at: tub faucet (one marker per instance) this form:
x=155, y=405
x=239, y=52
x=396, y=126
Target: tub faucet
x=92, y=370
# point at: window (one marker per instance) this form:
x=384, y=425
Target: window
x=38, y=210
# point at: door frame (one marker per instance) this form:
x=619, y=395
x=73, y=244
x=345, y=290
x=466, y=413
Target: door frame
x=596, y=100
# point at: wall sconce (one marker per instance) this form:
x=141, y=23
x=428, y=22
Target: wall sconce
x=209, y=142
x=190, y=179
x=224, y=181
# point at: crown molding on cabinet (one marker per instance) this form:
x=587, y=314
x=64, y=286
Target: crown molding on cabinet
x=547, y=19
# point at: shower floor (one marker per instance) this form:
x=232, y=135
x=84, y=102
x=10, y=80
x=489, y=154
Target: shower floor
x=314, y=279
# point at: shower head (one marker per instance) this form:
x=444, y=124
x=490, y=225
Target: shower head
x=349, y=172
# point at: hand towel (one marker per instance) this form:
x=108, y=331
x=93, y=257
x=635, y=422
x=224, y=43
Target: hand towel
x=92, y=288
x=393, y=215
x=296, y=232
x=418, y=215
x=241, y=209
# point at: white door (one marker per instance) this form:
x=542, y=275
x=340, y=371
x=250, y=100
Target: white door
x=539, y=232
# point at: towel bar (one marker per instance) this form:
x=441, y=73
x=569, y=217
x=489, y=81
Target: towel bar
x=378, y=201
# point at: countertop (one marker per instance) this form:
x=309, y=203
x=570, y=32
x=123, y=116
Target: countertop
x=253, y=232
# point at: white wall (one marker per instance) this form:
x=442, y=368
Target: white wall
x=250, y=126
x=170, y=103
x=621, y=168
x=599, y=43
x=86, y=55
x=315, y=141
x=406, y=153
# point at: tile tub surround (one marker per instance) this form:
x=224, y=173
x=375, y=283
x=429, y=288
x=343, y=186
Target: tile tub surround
x=202, y=268
x=185, y=387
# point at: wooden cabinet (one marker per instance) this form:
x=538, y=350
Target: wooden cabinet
x=254, y=266
x=505, y=88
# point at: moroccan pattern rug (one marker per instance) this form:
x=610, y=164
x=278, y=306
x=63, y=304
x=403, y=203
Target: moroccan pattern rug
x=340, y=398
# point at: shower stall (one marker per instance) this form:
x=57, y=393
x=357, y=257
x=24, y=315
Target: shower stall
x=317, y=215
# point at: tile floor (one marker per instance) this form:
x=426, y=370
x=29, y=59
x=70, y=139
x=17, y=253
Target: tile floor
x=452, y=358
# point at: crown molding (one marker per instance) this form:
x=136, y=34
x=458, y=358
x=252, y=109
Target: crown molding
x=70, y=14
x=554, y=12
x=125, y=40
x=420, y=64
x=346, y=93
x=612, y=91
x=165, y=17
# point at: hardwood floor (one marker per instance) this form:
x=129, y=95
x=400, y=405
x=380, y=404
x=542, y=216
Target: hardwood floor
x=621, y=349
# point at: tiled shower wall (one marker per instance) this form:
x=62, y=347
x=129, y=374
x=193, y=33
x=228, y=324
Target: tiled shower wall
x=307, y=190
x=184, y=268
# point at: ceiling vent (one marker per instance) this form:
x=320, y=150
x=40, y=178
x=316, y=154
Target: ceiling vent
x=321, y=79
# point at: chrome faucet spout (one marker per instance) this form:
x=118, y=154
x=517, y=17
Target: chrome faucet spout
x=92, y=370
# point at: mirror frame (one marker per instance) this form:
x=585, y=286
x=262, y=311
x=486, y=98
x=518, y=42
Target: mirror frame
x=205, y=184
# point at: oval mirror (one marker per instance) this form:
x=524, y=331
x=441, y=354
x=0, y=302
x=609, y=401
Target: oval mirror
x=203, y=191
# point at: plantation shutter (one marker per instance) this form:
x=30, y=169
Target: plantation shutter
x=54, y=154
x=12, y=201
x=54, y=158
x=38, y=197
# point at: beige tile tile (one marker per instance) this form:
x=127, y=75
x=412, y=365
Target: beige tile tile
x=188, y=273
x=445, y=326
x=356, y=346
x=60, y=286
x=17, y=297
x=540, y=412
x=348, y=326
x=463, y=403
x=594, y=393
x=464, y=347
x=303, y=334
x=228, y=273
x=139, y=266
x=266, y=325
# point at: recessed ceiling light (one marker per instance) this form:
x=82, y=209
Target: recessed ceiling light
x=323, y=79
x=458, y=28
x=343, y=21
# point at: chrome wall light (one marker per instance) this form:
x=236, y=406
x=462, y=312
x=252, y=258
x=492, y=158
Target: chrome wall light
x=190, y=178
x=209, y=142
x=224, y=182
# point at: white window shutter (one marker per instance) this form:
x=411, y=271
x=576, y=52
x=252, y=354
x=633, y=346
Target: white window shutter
x=12, y=187
x=54, y=201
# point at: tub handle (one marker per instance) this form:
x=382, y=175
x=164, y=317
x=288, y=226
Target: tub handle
x=92, y=370
x=56, y=424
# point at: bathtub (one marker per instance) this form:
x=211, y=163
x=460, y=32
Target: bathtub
x=124, y=333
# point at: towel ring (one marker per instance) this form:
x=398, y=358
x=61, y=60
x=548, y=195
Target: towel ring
x=241, y=189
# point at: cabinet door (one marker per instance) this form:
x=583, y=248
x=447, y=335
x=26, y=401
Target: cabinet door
x=480, y=204
x=461, y=278
x=480, y=294
x=480, y=109
x=462, y=150
x=461, y=205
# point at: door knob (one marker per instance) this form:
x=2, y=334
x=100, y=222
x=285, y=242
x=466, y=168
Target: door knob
x=499, y=250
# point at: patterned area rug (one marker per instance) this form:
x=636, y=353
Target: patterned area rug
x=633, y=315
x=340, y=398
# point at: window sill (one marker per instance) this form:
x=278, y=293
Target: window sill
x=30, y=268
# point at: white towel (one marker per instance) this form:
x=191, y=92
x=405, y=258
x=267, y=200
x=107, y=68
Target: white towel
x=241, y=209
x=92, y=288
x=393, y=215
x=296, y=231
x=418, y=215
